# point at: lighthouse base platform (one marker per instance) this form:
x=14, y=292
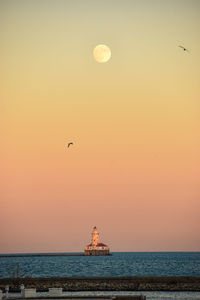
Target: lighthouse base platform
x=95, y=252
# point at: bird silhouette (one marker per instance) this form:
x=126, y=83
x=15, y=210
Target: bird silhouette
x=184, y=49
x=69, y=144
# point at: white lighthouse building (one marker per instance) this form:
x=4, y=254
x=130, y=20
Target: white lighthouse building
x=96, y=248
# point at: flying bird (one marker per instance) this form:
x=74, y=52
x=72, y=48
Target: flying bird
x=184, y=49
x=69, y=144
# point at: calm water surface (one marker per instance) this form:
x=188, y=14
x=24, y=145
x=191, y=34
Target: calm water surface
x=119, y=264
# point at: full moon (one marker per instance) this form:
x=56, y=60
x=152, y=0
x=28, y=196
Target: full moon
x=102, y=53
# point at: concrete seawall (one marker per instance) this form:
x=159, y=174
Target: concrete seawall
x=105, y=283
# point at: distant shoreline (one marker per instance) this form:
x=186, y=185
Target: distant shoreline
x=4, y=255
x=36, y=255
x=43, y=255
x=105, y=283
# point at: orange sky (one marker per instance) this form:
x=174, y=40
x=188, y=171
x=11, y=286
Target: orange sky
x=133, y=170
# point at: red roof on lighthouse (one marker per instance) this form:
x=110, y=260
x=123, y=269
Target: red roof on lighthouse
x=101, y=245
x=98, y=245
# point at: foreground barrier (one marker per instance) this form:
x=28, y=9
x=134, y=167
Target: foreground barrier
x=28, y=293
x=58, y=292
x=55, y=292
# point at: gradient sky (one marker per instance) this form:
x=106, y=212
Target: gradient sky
x=134, y=169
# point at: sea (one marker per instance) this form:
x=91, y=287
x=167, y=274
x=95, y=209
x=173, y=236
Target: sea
x=117, y=264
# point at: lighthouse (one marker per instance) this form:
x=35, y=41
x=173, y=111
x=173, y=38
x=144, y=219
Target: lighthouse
x=96, y=248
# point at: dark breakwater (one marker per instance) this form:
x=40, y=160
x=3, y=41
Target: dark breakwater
x=105, y=283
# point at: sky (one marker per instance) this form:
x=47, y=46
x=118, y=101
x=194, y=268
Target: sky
x=134, y=168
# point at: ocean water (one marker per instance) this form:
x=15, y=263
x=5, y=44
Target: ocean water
x=118, y=264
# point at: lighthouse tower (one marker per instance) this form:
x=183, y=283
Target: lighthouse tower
x=96, y=248
x=95, y=237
